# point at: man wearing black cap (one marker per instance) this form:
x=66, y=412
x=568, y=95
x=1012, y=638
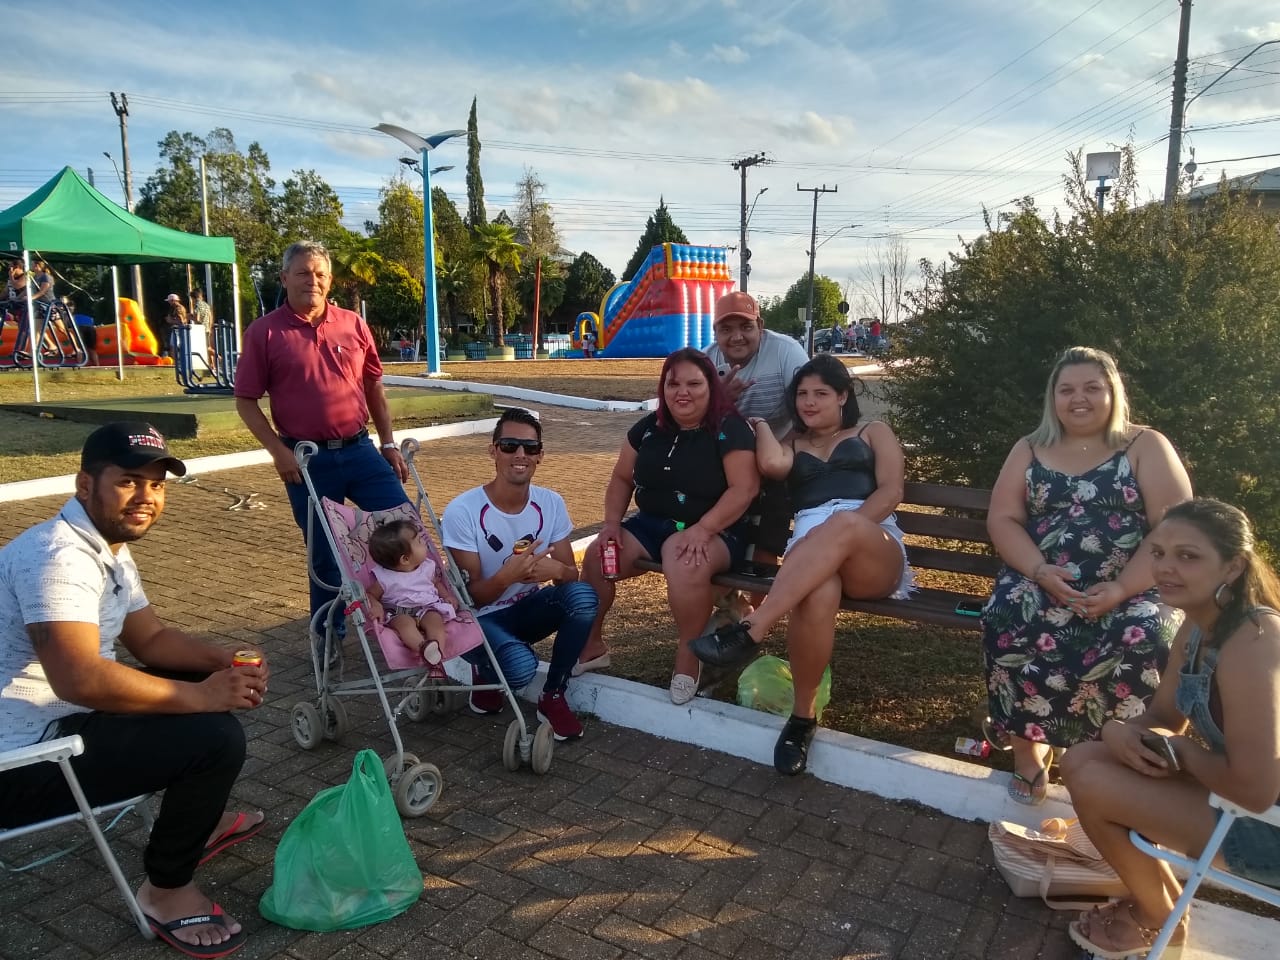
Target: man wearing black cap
x=69, y=590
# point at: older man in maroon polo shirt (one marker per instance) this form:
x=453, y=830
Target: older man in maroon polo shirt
x=319, y=366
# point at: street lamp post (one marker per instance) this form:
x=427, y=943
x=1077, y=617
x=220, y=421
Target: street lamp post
x=425, y=145
x=813, y=253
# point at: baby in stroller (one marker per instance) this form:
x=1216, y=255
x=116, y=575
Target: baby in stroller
x=403, y=594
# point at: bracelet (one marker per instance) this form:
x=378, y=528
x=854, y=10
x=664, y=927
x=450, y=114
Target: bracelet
x=390, y=446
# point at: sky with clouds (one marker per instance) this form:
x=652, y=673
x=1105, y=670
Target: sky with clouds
x=918, y=114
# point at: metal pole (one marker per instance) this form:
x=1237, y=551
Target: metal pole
x=744, y=255
x=813, y=252
x=115, y=308
x=1179, y=105
x=34, y=346
x=204, y=225
x=121, y=107
x=431, y=329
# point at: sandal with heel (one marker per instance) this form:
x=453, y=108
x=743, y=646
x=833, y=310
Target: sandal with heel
x=1112, y=932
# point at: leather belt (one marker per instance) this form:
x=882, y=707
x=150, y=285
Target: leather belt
x=337, y=444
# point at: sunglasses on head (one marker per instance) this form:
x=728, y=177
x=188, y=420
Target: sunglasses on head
x=511, y=445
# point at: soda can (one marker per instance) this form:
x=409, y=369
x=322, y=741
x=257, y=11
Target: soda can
x=246, y=658
x=609, y=559
x=968, y=747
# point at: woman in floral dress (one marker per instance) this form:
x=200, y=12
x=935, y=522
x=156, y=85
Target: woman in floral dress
x=1074, y=633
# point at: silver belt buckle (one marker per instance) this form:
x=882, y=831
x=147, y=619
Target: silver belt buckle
x=335, y=444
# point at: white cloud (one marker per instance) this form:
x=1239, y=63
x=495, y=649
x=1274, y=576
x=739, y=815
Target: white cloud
x=730, y=54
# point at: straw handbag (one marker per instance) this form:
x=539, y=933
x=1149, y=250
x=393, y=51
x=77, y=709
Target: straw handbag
x=1057, y=863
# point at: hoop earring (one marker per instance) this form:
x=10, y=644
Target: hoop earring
x=1222, y=596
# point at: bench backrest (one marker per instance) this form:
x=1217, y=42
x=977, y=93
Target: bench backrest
x=965, y=520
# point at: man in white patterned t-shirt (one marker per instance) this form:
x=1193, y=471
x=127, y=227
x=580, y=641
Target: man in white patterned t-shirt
x=509, y=537
x=69, y=590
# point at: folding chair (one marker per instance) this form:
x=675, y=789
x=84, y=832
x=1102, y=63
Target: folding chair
x=61, y=751
x=1203, y=868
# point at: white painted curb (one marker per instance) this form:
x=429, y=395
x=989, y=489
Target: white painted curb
x=519, y=393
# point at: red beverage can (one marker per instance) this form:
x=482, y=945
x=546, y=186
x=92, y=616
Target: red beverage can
x=609, y=559
x=246, y=658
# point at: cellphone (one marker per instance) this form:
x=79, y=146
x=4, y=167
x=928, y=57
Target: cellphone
x=1161, y=746
x=970, y=608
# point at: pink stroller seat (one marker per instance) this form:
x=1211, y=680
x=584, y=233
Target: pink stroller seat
x=351, y=528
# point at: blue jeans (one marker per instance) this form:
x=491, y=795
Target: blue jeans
x=358, y=473
x=567, y=609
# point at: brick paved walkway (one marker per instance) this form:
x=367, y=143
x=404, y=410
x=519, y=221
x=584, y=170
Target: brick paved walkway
x=631, y=847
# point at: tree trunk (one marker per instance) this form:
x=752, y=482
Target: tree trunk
x=497, y=310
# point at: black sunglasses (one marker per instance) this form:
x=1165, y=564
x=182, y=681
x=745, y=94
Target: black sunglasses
x=511, y=445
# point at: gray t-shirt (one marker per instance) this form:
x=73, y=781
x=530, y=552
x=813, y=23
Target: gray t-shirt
x=772, y=368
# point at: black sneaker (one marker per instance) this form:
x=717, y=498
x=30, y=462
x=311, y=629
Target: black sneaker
x=791, y=752
x=730, y=646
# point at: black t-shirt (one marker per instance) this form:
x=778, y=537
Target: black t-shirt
x=679, y=474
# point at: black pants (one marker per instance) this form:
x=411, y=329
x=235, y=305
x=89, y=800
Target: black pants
x=194, y=758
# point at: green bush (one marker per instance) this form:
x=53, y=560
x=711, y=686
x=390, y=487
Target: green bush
x=1187, y=300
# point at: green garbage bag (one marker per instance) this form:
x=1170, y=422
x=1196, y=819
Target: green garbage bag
x=344, y=862
x=766, y=685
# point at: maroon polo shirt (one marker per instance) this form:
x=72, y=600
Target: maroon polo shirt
x=315, y=376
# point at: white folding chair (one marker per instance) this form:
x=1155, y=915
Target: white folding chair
x=60, y=752
x=1202, y=869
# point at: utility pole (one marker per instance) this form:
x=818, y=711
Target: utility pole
x=1179, y=105
x=204, y=227
x=744, y=255
x=121, y=107
x=813, y=252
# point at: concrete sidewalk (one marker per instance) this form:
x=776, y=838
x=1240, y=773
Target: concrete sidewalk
x=631, y=847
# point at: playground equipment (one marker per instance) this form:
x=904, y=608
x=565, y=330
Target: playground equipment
x=669, y=304
x=56, y=332
x=192, y=359
x=140, y=345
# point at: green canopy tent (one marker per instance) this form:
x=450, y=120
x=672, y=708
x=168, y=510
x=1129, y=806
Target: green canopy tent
x=67, y=219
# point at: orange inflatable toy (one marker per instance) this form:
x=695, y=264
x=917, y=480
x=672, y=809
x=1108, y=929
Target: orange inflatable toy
x=140, y=344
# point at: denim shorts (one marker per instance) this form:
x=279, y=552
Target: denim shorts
x=652, y=532
x=1252, y=850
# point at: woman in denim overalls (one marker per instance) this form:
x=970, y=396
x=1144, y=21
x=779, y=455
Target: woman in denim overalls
x=1223, y=677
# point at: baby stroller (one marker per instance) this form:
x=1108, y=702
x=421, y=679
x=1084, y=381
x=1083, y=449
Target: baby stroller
x=415, y=785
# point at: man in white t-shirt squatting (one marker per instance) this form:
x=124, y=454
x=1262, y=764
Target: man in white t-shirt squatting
x=756, y=365
x=509, y=537
x=69, y=590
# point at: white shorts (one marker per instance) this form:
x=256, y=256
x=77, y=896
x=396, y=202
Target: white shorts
x=808, y=519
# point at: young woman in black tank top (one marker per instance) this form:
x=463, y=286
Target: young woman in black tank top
x=851, y=551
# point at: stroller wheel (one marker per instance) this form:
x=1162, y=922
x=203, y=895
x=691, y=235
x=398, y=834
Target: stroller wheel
x=544, y=745
x=306, y=726
x=441, y=702
x=511, y=746
x=394, y=771
x=416, y=706
x=336, y=723
x=418, y=789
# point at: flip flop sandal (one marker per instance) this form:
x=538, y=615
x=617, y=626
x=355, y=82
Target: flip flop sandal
x=165, y=932
x=236, y=833
x=1031, y=798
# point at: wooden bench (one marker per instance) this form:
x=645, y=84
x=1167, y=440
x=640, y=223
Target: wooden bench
x=928, y=604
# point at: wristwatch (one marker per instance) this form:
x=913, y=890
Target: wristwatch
x=391, y=446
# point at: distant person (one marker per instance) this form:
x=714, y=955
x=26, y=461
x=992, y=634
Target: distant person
x=510, y=538
x=201, y=312
x=70, y=592
x=319, y=365
x=175, y=318
x=837, y=339
x=589, y=344
x=859, y=333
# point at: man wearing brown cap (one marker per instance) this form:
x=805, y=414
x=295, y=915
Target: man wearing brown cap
x=756, y=365
x=69, y=590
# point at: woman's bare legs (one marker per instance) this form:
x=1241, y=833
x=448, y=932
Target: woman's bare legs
x=690, y=595
x=629, y=550
x=810, y=638
x=1111, y=798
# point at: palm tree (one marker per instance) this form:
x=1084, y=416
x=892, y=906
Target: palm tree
x=495, y=246
x=452, y=277
x=355, y=263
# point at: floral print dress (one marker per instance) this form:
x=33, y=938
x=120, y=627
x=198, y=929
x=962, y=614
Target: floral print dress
x=1054, y=676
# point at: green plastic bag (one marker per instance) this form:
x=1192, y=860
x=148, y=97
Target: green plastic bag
x=344, y=862
x=766, y=685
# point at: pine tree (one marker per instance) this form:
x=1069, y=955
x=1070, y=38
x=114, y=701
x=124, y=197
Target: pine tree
x=660, y=229
x=476, y=216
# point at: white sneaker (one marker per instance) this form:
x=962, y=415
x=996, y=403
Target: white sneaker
x=683, y=688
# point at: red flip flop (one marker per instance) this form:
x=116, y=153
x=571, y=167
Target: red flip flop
x=165, y=932
x=234, y=834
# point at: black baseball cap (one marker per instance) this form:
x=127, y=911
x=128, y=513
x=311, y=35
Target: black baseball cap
x=129, y=444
